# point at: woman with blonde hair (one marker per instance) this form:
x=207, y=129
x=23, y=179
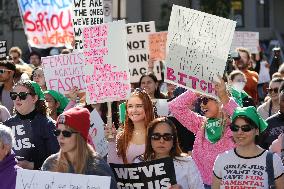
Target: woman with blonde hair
x=212, y=132
x=75, y=154
x=130, y=142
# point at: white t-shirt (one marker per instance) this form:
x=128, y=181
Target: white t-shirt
x=236, y=171
x=187, y=173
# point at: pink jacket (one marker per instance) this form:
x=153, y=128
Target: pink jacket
x=204, y=153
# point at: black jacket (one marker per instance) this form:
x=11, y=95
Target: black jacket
x=34, y=139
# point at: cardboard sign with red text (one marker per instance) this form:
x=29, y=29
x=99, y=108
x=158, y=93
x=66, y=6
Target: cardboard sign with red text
x=64, y=72
x=47, y=23
x=107, y=72
x=198, y=45
x=158, y=42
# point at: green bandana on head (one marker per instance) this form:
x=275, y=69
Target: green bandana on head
x=59, y=98
x=250, y=113
x=37, y=89
x=213, y=130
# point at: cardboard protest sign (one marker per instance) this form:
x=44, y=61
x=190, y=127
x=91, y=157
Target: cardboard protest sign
x=34, y=179
x=198, y=45
x=3, y=49
x=249, y=40
x=107, y=72
x=147, y=175
x=85, y=13
x=47, y=23
x=63, y=72
x=158, y=42
x=138, y=49
x=97, y=134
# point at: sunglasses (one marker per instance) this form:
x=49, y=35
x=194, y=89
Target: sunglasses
x=65, y=133
x=21, y=95
x=205, y=100
x=139, y=90
x=275, y=90
x=2, y=71
x=166, y=136
x=244, y=128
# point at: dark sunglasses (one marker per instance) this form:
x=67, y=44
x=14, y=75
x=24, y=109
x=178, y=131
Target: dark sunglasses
x=205, y=100
x=2, y=71
x=275, y=90
x=21, y=95
x=244, y=128
x=65, y=133
x=166, y=136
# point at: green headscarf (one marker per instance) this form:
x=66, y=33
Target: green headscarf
x=37, y=89
x=251, y=113
x=59, y=98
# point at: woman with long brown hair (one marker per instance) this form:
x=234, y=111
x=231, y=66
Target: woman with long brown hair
x=162, y=142
x=130, y=142
x=76, y=155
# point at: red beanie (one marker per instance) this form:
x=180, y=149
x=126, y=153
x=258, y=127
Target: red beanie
x=76, y=118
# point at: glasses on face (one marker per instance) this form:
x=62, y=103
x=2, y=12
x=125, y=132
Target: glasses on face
x=2, y=71
x=65, y=133
x=244, y=128
x=21, y=95
x=165, y=136
x=38, y=75
x=275, y=90
x=205, y=100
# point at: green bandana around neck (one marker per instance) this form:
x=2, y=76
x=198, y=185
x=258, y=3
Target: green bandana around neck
x=213, y=130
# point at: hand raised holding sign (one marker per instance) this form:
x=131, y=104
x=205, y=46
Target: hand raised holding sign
x=220, y=87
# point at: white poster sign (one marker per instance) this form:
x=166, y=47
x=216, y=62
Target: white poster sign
x=64, y=72
x=33, y=179
x=85, y=13
x=97, y=134
x=198, y=45
x=107, y=72
x=138, y=49
x=249, y=40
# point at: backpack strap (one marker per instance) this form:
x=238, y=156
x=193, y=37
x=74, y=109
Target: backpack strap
x=270, y=170
x=282, y=147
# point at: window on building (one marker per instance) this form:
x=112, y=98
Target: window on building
x=262, y=11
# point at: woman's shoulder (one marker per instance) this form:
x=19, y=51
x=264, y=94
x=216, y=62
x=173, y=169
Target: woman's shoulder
x=49, y=162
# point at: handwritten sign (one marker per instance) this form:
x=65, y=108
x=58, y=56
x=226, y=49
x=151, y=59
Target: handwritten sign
x=198, y=46
x=63, y=72
x=107, y=76
x=3, y=49
x=33, y=179
x=157, y=42
x=147, y=175
x=96, y=132
x=47, y=23
x=85, y=13
x=249, y=40
x=138, y=49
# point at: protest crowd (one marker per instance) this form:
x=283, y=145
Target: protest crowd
x=123, y=106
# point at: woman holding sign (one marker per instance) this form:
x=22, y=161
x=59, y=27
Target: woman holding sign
x=248, y=165
x=162, y=142
x=131, y=140
x=212, y=132
x=75, y=154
